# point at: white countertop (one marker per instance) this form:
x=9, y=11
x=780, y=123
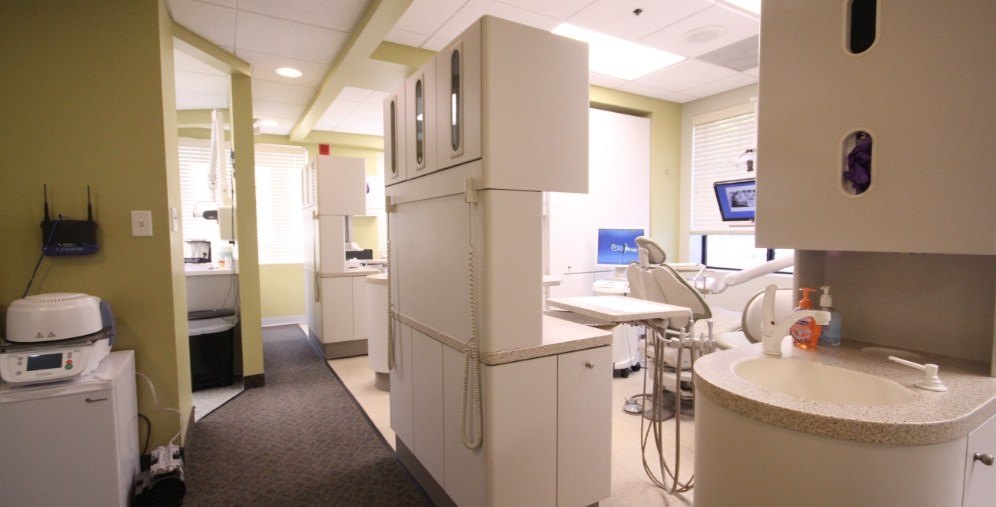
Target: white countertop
x=206, y=270
x=618, y=308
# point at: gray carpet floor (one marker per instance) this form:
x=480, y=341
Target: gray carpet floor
x=300, y=440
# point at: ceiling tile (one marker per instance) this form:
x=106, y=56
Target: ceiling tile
x=435, y=43
x=328, y=122
x=378, y=97
x=684, y=75
x=264, y=67
x=281, y=92
x=474, y=9
x=426, y=16
x=656, y=92
x=604, y=81
x=560, y=9
x=405, y=38
x=739, y=56
x=204, y=83
x=223, y=3
x=615, y=17
x=722, y=85
x=197, y=100
x=339, y=15
x=342, y=107
x=361, y=126
x=369, y=111
x=354, y=94
x=279, y=37
x=269, y=108
x=756, y=71
x=214, y=23
x=282, y=128
x=735, y=27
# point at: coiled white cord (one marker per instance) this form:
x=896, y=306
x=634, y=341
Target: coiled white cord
x=471, y=354
x=155, y=403
x=390, y=302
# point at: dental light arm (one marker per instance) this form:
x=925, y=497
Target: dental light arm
x=723, y=280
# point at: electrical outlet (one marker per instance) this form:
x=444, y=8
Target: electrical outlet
x=141, y=223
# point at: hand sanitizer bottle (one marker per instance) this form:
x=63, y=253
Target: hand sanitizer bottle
x=831, y=332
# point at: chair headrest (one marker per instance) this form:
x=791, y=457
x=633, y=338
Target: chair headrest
x=655, y=254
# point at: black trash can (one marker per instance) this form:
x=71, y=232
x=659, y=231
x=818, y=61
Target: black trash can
x=211, y=349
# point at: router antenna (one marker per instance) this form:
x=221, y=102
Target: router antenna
x=89, y=207
x=45, y=192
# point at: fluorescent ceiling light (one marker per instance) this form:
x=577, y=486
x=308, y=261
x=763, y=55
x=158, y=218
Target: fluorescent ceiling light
x=616, y=57
x=747, y=5
x=269, y=123
x=289, y=72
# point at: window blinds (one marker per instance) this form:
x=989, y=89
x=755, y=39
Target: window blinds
x=716, y=144
x=278, y=203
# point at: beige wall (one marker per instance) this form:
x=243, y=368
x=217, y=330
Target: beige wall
x=87, y=101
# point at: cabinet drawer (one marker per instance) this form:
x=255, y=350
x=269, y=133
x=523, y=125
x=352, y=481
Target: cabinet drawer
x=584, y=426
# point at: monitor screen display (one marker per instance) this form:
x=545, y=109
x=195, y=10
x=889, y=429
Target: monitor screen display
x=736, y=199
x=617, y=246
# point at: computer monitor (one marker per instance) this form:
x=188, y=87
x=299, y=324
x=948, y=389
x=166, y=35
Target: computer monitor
x=617, y=247
x=736, y=199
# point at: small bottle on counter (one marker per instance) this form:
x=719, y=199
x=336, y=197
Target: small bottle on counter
x=805, y=332
x=831, y=332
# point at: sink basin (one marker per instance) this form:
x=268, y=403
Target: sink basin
x=818, y=382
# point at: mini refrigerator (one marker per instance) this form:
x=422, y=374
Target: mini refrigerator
x=72, y=442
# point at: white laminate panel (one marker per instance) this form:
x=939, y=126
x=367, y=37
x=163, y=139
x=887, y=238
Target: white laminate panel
x=468, y=103
x=341, y=186
x=331, y=238
x=417, y=163
x=584, y=426
x=337, y=309
x=359, y=300
x=465, y=479
x=394, y=137
x=520, y=421
x=980, y=479
x=511, y=269
x=401, y=386
x=427, y=403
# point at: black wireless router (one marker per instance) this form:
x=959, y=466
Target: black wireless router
x=65, y=237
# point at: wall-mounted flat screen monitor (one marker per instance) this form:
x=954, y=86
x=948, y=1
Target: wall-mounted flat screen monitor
x=617, y=246
x=736, y=199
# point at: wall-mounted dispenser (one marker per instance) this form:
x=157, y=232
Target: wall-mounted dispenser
x=66, y=237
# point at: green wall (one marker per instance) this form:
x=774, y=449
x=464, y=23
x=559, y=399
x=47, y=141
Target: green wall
x=281, y=290
x=88, y=100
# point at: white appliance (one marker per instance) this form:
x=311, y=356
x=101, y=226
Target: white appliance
x=334, y=188
x=54, y=337
x=71, y=443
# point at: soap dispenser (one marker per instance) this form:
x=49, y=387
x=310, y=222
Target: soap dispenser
x=805, y=332
x=831, y=332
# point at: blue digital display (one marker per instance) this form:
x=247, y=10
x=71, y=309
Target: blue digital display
x=736, y=199
x=617, y=246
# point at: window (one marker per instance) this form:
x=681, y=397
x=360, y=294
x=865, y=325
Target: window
x=195, y=191
x=718, y=141
x=278, y=199
x=278, y=203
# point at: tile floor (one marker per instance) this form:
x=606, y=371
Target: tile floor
x=206, y=400
x=630, y=484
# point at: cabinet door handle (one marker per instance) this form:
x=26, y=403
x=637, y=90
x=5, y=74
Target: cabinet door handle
x=986, y=459
x=96, y=400
x=590, y=365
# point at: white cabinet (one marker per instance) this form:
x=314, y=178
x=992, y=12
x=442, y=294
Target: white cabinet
x=458, y=99
x=919, y=90
x=401, y=385
x=394, y=137
x=980, y=479
x=420, y=118
x=427, y=403
x=337, y=309
x=584, y=426
x=335, y=185
x=520, y=105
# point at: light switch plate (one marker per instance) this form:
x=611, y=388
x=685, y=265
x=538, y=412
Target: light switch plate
x=175, y=218
x=141, y=223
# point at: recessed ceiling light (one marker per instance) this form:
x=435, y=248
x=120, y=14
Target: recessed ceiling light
x=747, y=5
x=289, y=72
x=703, y=35
x=269, y=123
x=617, y=57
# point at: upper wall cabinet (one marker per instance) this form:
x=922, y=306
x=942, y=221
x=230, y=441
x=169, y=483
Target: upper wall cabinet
x=394, y=137
x=458, y=99
x=511, y=96
x=875, y=126
x=420, y=120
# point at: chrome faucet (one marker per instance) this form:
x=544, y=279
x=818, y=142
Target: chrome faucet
x=772, y=333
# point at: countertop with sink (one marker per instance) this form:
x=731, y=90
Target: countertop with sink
x=922, y=417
